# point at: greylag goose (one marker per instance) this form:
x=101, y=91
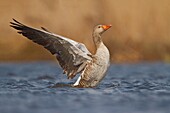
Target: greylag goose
x=72, y=56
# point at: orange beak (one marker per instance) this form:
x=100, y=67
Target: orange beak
x=106, y=27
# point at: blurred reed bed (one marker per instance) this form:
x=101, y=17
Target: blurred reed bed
x=140, y=32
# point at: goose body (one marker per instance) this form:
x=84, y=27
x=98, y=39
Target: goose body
x=73, y=56
x=95, y=70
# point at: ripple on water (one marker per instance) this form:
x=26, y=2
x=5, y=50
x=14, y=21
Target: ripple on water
x=133, y=88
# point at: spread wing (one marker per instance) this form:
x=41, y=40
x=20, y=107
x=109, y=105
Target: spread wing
x=72, y=56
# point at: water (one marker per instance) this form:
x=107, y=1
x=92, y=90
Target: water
x=127, y=88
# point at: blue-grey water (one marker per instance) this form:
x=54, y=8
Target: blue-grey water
x=127, y=88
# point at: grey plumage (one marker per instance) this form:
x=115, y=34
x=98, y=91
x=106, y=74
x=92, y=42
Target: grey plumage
x=72, y=56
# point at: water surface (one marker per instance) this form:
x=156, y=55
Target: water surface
x=127, y=88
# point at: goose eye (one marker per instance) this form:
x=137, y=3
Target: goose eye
x=99, y=27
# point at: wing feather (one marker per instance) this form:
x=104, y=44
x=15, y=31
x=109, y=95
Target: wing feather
x=72, y=56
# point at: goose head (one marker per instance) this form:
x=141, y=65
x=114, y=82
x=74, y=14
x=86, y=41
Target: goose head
x=99, y=29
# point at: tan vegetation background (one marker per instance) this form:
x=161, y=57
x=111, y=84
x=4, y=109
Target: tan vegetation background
x=141, y=28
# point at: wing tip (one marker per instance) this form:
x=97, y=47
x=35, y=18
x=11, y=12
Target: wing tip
x=17, y=25
x=16, y=21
